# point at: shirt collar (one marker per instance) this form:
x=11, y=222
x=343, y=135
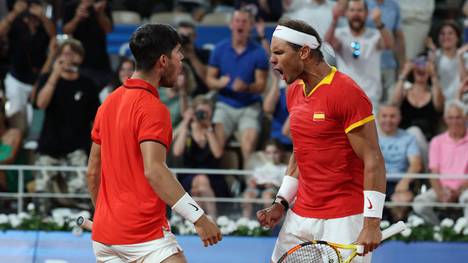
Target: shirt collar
x=325, y=81
x=140, y=84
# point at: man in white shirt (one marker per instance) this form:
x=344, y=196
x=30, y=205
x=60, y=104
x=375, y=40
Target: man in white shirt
x=358, y=48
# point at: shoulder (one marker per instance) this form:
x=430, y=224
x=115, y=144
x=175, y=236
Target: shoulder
x=344, y=84
x=223, y=44
x=439, y=139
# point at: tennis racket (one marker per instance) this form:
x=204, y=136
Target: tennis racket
x=317, y=251
x=84, y=223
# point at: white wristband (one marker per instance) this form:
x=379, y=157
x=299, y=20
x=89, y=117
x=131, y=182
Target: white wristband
x=373, y=204
x=288, y=188
x=188, y=208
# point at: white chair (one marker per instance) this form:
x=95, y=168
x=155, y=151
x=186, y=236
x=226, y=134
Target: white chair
x=172, y=18
x=216, y=19
x=126, y=18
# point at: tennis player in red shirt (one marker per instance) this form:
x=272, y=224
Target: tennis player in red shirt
x=128, y=179
x=336, y=163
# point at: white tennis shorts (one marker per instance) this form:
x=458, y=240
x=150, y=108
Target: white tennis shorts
x=152, y=251
x=297, y=229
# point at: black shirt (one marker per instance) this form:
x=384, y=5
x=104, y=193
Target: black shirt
x=27, y=50
x=91, y=35
x=68, y=117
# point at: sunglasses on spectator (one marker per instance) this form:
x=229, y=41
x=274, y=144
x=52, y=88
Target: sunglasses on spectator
x=356, y=49
x=420, y=62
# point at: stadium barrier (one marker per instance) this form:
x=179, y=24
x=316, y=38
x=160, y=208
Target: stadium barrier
x=20, y=195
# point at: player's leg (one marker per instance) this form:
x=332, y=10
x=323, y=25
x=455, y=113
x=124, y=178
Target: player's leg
x=176, y=258
x=296, y=230
x=249, y=127
x=345, y=230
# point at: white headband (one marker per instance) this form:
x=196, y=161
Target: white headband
x=296, y=37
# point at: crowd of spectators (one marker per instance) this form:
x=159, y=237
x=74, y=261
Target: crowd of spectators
x=228, y=104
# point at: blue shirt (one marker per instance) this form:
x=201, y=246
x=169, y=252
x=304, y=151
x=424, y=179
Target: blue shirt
x=242, y=66
x=397, y=149
x=279, y=117
x=391, y=17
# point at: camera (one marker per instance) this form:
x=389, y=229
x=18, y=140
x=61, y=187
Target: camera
x=200, y=115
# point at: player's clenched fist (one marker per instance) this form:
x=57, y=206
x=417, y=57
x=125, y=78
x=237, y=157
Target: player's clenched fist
x=208, y=231
x=270, y=216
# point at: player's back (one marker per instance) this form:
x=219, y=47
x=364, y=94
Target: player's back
x=127, y=209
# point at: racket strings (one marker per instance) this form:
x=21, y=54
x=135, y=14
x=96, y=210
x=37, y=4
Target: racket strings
x=313, y=253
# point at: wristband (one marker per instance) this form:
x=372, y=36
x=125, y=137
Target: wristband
x=373, y=204
x=188, y=208
x=288, y=188
x=280, y=200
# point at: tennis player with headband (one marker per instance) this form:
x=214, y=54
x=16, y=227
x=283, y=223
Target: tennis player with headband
x=128, y=179
x=335, y=181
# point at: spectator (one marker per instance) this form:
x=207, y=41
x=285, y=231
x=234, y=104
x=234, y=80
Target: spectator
x=196, y=58
x=200, y=147
x=177, y=98
x=449, y=58
x=238, y=70
x=401, y=154
x=447, y=157
x=463, y=91
x=29, y=32
x=124, y=71
x=10, y=145
x=359, y=47
x=198, y=8
x=70, y=101
x=266, y=10
x=416, y=20
x=266, y=179
x=147, y=7
x=421, y=99
x=391, y=58
x=89, y=21
x=275, y=104
x=317, y=13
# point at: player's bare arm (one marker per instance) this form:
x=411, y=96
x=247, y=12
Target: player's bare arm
x=364, y=142
x=270, y=216
x=166, y=186
x=94, y=171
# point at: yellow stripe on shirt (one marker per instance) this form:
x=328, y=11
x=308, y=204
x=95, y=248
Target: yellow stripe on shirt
x=359, y=123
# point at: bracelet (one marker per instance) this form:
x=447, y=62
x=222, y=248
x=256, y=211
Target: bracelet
x=373, y=204
x=188, y=208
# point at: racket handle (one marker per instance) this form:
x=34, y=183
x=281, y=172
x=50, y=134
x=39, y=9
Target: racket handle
x=393, y=230
x=84, y=223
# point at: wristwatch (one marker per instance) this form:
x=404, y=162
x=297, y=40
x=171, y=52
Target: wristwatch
x=282, y=201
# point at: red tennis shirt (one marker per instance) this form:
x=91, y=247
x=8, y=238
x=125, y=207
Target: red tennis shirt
x=331, y=174
x=128, y=211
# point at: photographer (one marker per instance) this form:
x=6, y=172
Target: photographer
x=89, y=21
x=70, y=101
x=196, y=58
x=199, y=147
x=29, y=32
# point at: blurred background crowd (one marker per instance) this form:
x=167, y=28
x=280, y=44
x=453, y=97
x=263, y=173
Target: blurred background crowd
x=228, y=108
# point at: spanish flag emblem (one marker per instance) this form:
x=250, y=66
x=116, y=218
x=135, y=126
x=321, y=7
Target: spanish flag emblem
x=319, y=116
